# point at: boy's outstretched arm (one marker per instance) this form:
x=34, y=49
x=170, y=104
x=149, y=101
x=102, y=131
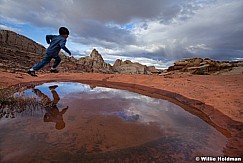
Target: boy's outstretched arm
x=64, y=110
x=49, y=38
x=62, y=44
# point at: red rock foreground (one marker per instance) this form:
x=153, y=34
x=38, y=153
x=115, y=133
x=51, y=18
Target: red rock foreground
x=217, y=99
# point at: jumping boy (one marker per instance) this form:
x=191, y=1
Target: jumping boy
x=57, y=42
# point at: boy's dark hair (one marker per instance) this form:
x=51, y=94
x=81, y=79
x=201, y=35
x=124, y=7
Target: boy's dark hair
x=63, y=31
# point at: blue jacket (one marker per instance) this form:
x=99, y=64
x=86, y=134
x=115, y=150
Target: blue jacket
x=57, y=42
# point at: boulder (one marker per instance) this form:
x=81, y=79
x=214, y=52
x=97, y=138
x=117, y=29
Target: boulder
x=118, y=62
x=152, y=70
x=238, y=64
x=181, y=63
x=128, y=67
x=190, y=62
x=175, y=67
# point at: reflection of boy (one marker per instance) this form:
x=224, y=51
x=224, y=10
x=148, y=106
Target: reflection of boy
x=52, y=113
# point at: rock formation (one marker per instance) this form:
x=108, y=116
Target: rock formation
x=128, y=67
x=20, y=42
x=203, y=66
x=19, y=53
x=94, y=63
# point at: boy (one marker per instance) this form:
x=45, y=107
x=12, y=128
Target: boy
x=57, y=42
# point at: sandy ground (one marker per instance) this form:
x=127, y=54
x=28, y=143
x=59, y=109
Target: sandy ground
x=218, y=99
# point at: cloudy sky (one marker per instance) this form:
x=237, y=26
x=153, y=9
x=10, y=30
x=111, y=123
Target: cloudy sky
x=152, y=32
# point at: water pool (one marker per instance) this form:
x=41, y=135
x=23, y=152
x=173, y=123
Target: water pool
x=84, y=123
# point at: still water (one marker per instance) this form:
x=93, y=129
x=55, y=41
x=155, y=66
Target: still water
x=84, y=123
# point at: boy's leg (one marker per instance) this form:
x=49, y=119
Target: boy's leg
x=42, y=63
x=44, y=98
x=56, y=63
x=56, y=98
x=39, y=65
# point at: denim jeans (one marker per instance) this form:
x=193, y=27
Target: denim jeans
x=47, y=58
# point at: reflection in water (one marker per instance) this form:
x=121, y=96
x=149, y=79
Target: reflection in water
x=52, y=112
x=11, y=104
x=105, y=125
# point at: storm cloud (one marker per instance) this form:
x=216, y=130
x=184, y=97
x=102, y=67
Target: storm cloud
x=162, y=30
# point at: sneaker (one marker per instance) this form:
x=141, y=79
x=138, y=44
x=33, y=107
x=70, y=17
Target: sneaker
x=32, y=73
x=54, y=71
x=53, y=87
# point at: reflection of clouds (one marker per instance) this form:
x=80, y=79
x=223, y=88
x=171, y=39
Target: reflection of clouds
x=149, y=109
x=147, y=113
x=63, y=89
x=155, y=111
